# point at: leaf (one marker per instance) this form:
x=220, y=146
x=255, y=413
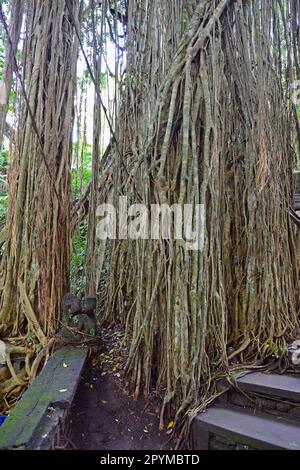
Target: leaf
x=104, y=402
x=63, y=390
x=170, y=425
x=118, y=375
x=65, y=365
x=146, y=430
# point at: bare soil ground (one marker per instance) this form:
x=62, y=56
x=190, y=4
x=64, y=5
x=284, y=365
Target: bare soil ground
x=104, y=417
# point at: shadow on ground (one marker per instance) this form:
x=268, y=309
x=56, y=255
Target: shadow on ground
x=104, y=418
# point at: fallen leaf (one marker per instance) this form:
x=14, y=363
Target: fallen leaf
x=170, y=425
x=63, y=390
x=104, y=402
x=146, y=430
x=65, y=365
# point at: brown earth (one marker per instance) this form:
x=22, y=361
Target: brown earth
x=104, y=417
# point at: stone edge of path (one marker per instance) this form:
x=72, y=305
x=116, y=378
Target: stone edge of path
x=34, y=421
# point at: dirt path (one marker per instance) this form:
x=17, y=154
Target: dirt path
x=104, y=418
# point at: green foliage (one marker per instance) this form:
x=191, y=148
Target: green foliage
x=278, y=349
x=3, y=161
x=3, y=208
x=81, y=177
x=30, y=337
x=103, y=80
x=12, y=98
x=86, y=80
x=78, y=260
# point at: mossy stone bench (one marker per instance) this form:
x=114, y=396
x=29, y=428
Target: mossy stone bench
x=33, y=422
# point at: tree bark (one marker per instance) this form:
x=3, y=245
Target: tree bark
x=199, y=125
x=17, y=12
x=36, y=261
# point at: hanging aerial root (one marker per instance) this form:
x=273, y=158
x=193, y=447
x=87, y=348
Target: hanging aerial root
x=15, y=380
x=216, y=131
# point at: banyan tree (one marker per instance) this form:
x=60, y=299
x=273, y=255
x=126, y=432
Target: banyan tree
x=204, y=114
x=206, y=118
x=36, y=255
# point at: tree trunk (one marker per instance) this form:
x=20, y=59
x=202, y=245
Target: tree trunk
x=36, y=261
x=11, y=51
x=200, y=125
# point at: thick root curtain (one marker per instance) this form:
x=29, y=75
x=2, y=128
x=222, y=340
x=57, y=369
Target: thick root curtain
x=213, y=125
x=36, y=256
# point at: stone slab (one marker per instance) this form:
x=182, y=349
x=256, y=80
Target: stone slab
x=33, y=421
x=258, y=431
x=282, y=386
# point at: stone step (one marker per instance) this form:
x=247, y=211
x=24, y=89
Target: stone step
x=243, y=428
x=280, y=386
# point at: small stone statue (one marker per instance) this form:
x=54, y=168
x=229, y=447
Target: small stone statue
x=79, y=317
x=86, y=319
